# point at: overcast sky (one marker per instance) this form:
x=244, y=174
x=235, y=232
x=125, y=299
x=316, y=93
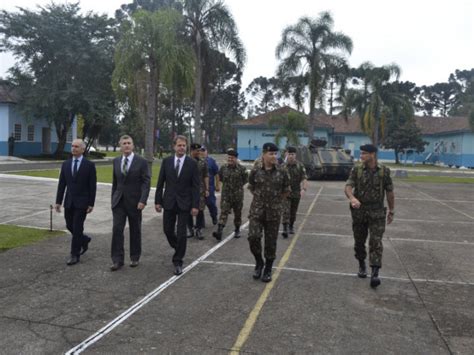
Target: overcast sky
x=428, y=39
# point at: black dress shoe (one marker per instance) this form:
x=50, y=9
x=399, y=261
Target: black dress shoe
x=178, y=270
x=72, y=260
x=116, y=266
x=134, y=263
x=85, y=245
x=214, y=220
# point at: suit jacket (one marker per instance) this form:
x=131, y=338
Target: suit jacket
x=80, y=189
x=182, y=191
x=135, y=186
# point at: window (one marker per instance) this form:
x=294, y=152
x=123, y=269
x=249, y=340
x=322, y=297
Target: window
x=338, y=141
x=31, y=133
x=17, y=132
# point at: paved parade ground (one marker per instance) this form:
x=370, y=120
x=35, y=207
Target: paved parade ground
x=315, y=303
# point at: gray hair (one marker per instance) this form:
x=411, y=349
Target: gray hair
x=81, y=142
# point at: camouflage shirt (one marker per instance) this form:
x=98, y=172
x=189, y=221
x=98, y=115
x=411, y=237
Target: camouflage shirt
x=203, y=173
x=233, y=178
x=370, y=185
x=297, y=174
x=267, y=187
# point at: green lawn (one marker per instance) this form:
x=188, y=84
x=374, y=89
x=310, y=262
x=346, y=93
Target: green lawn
x=438, y=179
x=14, y=236
x=104, y=173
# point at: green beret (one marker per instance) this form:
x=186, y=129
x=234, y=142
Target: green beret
x=369, y=148
x=269, y=147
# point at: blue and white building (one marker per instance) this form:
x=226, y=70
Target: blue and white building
x=32, y=138
x=450, y=139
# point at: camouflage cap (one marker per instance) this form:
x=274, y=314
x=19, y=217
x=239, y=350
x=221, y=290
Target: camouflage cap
x=291, y=149
x=232, y=152
x=269, y=147
x=203, y=148
x=369, y=148
x=195, y=146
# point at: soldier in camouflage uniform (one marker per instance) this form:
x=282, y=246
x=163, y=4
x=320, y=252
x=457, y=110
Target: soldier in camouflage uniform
x=234, y=176
x=371, y=181
x=270, y=185
x=195, y=229
x=298, y=184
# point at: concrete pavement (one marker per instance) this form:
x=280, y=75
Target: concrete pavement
x=425, y=304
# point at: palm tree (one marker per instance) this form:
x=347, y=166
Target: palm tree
x=210, y=25
x=288, y=127
x=150, y=54
x=306, y=49
x=376, y=100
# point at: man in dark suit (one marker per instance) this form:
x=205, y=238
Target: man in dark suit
x=78, y=178
x=130, y=189
x=179, y=177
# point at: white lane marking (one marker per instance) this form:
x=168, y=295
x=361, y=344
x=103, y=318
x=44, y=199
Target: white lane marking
x=335, y=273
x=23, y=217
x=396, y=239
x=397, y=219
x=444, y=204
x=344, y=199
x=134, y=308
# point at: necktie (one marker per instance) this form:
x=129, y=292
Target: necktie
x=177, y=167
x=74, y=170
x=124, y=168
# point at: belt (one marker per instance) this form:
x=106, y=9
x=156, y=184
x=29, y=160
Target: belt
x=372, y=205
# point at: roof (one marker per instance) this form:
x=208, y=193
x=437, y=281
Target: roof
x=261, y=121
x=7, y=94
x=436, y=125
x=429, y=125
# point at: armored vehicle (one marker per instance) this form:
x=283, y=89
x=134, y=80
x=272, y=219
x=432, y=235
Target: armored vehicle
x=325, y=163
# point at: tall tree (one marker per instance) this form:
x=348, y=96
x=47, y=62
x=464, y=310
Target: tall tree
x=465, y=103
x=210, y=25
x=439, y=98
x=375, y=100
x=404, y=137
x=149, y=54
x=265, y=95
x=307, y=49
x=289, y=125
x=64, y=65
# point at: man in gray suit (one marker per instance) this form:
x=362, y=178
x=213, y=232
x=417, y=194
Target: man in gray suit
x=130, y=189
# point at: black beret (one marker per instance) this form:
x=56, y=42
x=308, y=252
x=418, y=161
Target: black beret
x=291, y=150
x=369, y=148
x=269, y=147
x=232, y=152
x=195, y=146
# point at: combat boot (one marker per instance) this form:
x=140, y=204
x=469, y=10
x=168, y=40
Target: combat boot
x=285, y=230
x=362, y=269
x=198, y=234
x=292, y=231
x=258, y=267
x=237, y=232
x=218, y=234
x=374, y=278
x=267, y=272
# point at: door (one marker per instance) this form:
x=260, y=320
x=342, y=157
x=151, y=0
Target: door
x=46, y=140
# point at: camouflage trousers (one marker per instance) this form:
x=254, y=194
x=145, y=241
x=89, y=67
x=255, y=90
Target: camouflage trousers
x=364, y=222
x=290, y=207
x=227, y=206
x=258, y=228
